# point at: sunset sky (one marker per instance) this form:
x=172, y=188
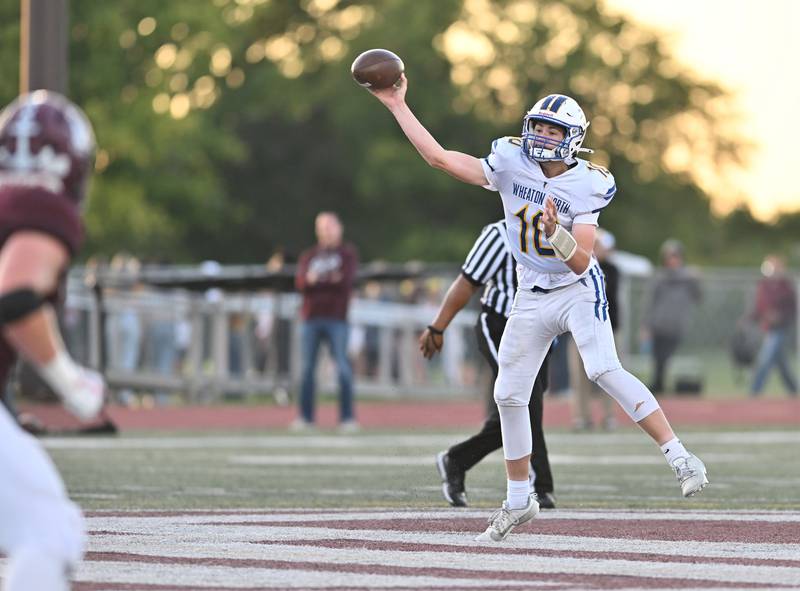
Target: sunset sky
x=750, y=47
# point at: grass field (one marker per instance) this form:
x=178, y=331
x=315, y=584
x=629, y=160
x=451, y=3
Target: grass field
x=752, y=470
x=180, y=511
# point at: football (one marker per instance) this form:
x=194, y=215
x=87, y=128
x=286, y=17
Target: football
x=377, y=68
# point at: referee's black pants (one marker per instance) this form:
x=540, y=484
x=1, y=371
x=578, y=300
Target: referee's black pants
x=466, y=454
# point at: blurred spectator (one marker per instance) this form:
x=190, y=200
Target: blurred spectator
x=237, y=333
x=324, y=276
x=774, y=310
x=273, y=334
x=372, y=333
x=124, y=327
x=674, y=293
x=582, y=387
x=161, y=350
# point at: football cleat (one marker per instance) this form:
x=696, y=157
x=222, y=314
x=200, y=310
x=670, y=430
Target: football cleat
x=504, y=520
x=691, y=474
x=546, y=500
x=452, y=480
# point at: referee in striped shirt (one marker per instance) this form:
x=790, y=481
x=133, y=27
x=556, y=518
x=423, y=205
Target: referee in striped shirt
x=488, y=264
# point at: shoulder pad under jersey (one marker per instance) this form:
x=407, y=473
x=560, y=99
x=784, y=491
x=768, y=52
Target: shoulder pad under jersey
x=602, y=186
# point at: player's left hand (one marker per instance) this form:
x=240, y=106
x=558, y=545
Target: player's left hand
x=549, y=217
x=430, y=343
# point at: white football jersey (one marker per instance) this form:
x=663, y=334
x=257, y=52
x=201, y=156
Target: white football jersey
x=579, y=194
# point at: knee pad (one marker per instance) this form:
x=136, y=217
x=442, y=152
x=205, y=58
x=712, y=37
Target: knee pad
x=595, y=368
x=512, y=391
x=515, y=424
x=629, y=392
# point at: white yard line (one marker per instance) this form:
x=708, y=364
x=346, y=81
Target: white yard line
x=425, y=460
x=98, y=521
x=199, y=577
x=238, y=541
x=335, y=441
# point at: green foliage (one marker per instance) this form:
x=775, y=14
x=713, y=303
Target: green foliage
x=224, y=127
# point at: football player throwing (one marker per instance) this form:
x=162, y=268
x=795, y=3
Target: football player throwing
x=552, y=201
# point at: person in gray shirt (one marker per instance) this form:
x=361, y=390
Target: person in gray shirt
x=674, y=293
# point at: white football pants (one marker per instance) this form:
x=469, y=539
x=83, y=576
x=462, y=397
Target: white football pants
x=535, y=320
x=41, y=530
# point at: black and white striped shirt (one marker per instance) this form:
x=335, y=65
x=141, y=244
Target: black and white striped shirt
x=490, y=263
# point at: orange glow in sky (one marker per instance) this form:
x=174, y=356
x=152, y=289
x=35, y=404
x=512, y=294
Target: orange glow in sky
x=751, y=48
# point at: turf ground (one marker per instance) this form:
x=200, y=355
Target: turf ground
x=174, y=511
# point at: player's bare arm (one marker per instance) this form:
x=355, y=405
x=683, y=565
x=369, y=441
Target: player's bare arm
x=462, y=166
x=458, y=295
x=576, y=256
x=31, y=263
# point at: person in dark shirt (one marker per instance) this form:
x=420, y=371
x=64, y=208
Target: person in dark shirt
x=774, y=310
x=325, y=275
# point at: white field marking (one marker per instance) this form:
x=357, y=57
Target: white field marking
x=200, y=577
x=335, y=441
x=98, y=521
x=381, y=460
x=238, y=542
x=490, y=563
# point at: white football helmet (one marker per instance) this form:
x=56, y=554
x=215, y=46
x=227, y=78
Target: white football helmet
x=561, y=110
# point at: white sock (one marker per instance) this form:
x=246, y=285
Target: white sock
x=517, y=494
x=673, y=449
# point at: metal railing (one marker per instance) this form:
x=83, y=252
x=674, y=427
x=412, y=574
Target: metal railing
x=248, y=343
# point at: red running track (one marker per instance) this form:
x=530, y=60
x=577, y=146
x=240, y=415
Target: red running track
x=420, y=414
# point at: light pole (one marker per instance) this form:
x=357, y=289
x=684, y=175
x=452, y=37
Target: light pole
x=44, y=45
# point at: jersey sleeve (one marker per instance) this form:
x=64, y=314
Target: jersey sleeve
x=498, y=160
x=601, y=190
x=34, y=208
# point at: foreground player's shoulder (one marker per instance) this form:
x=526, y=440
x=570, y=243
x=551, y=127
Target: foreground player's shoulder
x=599, y=186
x=504, y=149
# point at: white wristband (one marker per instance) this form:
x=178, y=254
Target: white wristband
x=60, y=373
x=563, y=243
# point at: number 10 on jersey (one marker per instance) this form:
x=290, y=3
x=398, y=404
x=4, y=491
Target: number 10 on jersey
x=536, y=233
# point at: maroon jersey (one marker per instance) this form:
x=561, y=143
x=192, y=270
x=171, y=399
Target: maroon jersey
x=329, y=295
x=46, y=157
x=34, y=208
